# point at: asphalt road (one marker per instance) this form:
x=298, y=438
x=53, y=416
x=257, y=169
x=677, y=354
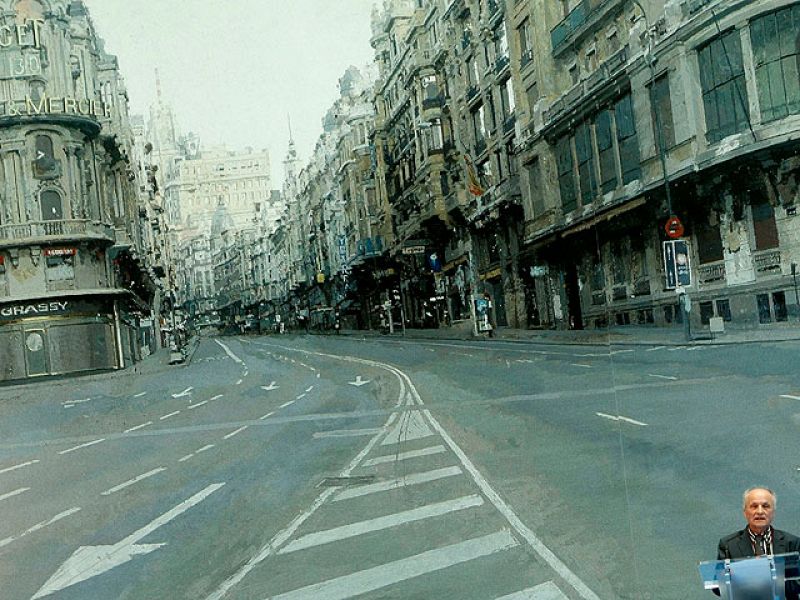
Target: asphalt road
x=333, y=467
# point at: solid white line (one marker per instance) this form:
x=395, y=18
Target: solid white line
x=346, y=433
x=670, y=377
x=15, y=467
x=14, y=493
x=138, y=427
x=87, y=444
x=382, y=486
x=396, y=571
x=581, y=365
x=204, y=448
x=656, y=348
x=390, y=458
x=782, y=396
x=287, y=532
x=543, y=591
x=39, y=526
x=285, y=404
x=172, y=414
x=191, y=406
x=130, y=482
x=269, y=414
x=139, y=395
x=229, y=353
x=233, y=433
x=355, y=529
x=217, y=397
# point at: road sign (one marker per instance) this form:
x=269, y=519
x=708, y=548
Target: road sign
x=414, y=250
x=677, y=265
x=674, y=227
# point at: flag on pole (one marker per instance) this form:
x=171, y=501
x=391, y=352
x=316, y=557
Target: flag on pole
x=473, y=183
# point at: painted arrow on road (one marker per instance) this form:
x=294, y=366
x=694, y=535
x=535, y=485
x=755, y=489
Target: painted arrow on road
x=270, y=387
x=358, y=382
x=186, y=392
x=90, y=561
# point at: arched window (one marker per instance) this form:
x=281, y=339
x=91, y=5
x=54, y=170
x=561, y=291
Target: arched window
x=45, y=165
x=51, y=205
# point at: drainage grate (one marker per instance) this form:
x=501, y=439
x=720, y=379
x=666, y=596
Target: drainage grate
x=346, y=481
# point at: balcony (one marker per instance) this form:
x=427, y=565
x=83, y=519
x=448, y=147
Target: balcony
x=472, y=92
x=768, y=262
x=501, y=64
x=54, y=231
x=578, y=23
x=508, y=124
x=711, y=272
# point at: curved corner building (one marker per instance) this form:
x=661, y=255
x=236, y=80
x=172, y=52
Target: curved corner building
x=72, y=289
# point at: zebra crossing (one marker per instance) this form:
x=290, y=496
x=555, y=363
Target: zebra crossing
x=413, y=526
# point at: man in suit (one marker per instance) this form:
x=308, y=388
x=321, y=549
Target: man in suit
x=760, y=537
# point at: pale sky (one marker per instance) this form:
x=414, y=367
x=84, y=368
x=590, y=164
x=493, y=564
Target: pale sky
x=234, y=69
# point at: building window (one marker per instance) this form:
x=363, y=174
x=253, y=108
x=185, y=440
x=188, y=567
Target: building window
x=775, y=53
x=60, y=267
x=724, y=310
x=661, y=108
x=566, y=175
x=535, y=186
x=507, y=97
x=709, y=242
x=764, y=226
x=51, y=206
x=627, y=140
x=723, y=84
x=532, y=94
x=584, y=151
x=706, y=312
x=605, y=149
x=45, y=165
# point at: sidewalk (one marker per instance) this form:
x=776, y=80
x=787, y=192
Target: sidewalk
x=617, y=336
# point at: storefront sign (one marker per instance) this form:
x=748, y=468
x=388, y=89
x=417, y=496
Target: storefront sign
x=54, y=308
x=414, y=250
x=54, y=105
x=60, y=252
x=25, y=35
x=34, y=310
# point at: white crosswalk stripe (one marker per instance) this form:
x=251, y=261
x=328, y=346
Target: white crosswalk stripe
x=545, y=591
x=382, y=486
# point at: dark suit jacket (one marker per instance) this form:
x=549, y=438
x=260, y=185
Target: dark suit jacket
x=737, y=545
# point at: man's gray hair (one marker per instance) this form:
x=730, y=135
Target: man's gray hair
x=759, y=487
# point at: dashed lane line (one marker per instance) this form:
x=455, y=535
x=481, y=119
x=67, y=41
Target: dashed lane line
x=621, y=418
x=16, y=492
x=19, y=466
x=285, y=404
x=233, y=433
x=38, y=526
x=266, y=416
x=142, y=426
x=669, y=377
x=130, y=482
x=167, y=416
x=86, y=445
x=789, y=396
x=193, y=406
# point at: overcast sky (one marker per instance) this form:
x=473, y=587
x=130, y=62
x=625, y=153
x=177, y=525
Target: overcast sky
x=233, y=69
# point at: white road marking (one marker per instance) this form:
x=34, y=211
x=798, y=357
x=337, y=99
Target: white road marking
x=309, y=388
x=543, y=591
x=186, y=392
x=782, y=396
x=172, y=414
x=233, y=433
x=359, y=382
x=266, y=416
x=410, y=426
x=621, y=351
x=89, y=561
x=317, y=375
x=620, y=418
x=217, y=397
x=86, y=445
x=139, y=395
x=396, y=571
x=204, y=448
x=142, y=426
x=39, y=526
x=130, y=482
x=656, y=348
x=406, y=480
x=77, y=401
x=676, y=348
x=19, y=466
x=670, y=377
x=355, y=529
x=300, y=396
x=191, y=406
x=390, y=458
x=246, y=372
x=14, y=493
x=185, y=458
x=270, y=387
x=239, y=382
x=346, y=433
x=581, y=365
x=285, y=404
x=69, y=406
x=229, y=353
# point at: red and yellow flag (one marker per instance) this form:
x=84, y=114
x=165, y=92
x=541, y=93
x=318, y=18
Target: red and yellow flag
x=473, y=183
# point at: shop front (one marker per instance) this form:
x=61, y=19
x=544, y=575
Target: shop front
x=58, y=335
